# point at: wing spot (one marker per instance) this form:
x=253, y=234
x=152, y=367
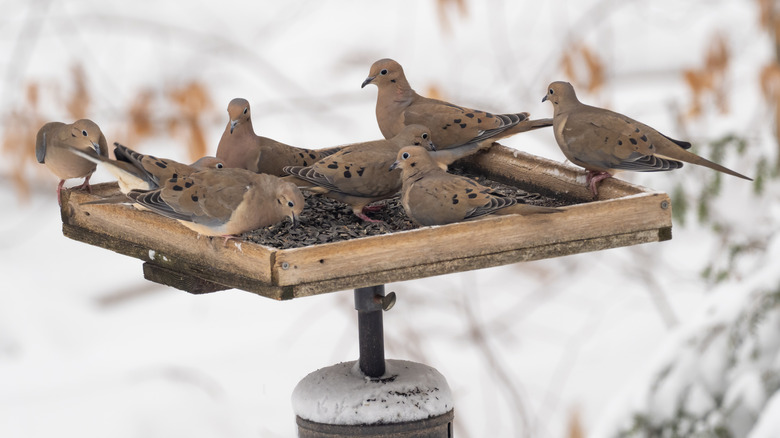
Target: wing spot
x=632, y=140
x=462, y=125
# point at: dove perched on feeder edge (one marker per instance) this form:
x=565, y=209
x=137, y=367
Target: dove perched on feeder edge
x=397, y=105
x=431, y=196
x=52, y=148
x=605, y=142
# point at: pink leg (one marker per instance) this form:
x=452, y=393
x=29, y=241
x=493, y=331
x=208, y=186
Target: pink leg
x=85, y=185
x=373, y=208
x=594, y=177
x=367, y=219
x=59, y=192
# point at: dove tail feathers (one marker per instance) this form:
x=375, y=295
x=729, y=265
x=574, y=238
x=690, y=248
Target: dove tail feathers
x=692, y=158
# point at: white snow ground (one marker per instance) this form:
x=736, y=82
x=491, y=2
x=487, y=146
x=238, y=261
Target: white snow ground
x=88, y=348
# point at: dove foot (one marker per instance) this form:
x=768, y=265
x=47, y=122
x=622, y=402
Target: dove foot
x=368, y=219
x=373, y=208
x=594, y=177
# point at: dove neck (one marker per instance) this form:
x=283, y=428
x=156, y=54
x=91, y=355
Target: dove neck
x=399, y=92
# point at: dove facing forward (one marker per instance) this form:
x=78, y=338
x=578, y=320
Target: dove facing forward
x=431, y=196
x=398, y=105
x=224, y=202
x=605, y=142
x=53, y=145
x=241, y=148
x=359, y=173
x=136, y=171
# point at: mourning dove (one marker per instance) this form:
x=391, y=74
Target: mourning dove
x=359, y=173
x=135, y=171
x=431, y=196
x=605, y=142
x=397, y=105
x=224, y=202
x=240, y=147
x=52, y=144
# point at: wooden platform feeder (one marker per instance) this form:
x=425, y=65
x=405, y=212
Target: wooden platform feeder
x=624, y=214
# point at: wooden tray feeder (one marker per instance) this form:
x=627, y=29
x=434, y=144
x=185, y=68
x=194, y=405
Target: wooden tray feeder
x=624, y=214
x=173, y=255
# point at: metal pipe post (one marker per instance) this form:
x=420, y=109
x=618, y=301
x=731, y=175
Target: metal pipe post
x=368, y=303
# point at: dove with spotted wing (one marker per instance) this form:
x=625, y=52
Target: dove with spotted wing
x=605, y=142
x=398, y=105
x=431, y=196
x=224, y=202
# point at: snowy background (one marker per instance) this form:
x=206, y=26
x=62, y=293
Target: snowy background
x=681, y=336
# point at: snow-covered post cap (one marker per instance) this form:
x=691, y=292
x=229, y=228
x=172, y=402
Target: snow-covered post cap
x=342, y=395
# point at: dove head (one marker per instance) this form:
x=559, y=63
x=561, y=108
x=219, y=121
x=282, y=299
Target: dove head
x=560, y=94
x=417, y=135
x=207, y=162
x=87, y=133
x=238, y=112
x=413, y=160
x=385, y=72
x=290, y=201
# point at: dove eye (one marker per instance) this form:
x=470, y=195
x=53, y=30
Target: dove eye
x=246, y=109
x=219, y=166
x=84, y=133
x=425, y=136
x=290, y=204
x=405, y=155
x=383, y=72
x=551, y=91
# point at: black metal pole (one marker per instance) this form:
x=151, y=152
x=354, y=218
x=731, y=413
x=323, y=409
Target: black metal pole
x=368, y=303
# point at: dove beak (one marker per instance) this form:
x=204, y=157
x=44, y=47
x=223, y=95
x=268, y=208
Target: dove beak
x=431, y=145
x=96, y=147
x=544, y=99
x=294, y=220
x=394, y=165
x=233, y=124
x=367, y=81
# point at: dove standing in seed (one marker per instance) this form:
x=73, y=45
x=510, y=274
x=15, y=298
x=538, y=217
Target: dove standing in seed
x=52, y=148
x=136, y=171
x=240, y=147
x=431, y=196
x=397, y=105
x=605, y=142
x=359, y=173
x=224, y=202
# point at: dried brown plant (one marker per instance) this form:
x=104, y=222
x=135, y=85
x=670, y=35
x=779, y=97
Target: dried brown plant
x=78, y=102
x=583, y=67
x=443, y=8
x=710, y=78
x=18, y=144
x=193, y=102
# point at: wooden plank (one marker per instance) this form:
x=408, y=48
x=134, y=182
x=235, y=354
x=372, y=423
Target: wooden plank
x=413, y=272
x=469, y=239
x=180, y=280
x=542, y=175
